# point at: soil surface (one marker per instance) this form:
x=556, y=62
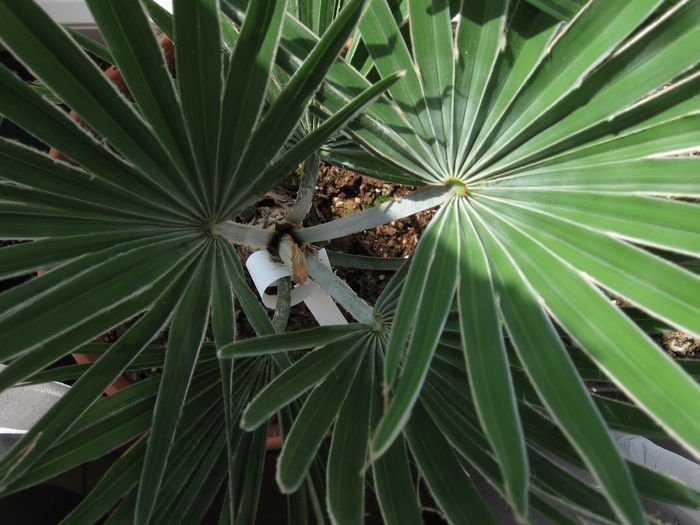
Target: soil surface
x=340, y=193
x=679, y=345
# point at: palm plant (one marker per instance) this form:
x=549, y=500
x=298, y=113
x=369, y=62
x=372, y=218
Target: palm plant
x=544, y=142
x=129, y=229
x=550, y=137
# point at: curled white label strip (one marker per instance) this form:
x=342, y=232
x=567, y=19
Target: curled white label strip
x=266, y=272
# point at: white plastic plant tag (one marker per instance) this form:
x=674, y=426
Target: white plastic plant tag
x=266, y=272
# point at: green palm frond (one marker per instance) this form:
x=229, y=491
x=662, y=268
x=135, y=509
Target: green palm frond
x=511, y=96
x=127, y=230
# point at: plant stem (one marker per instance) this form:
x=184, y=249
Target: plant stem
x=242, y=234
x=340, y=291
x=384, y=213
x=305, y=193
x=284, y=301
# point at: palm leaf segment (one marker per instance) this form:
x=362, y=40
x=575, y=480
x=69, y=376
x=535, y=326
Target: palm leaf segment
x=551, y=136
x=127, y=227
